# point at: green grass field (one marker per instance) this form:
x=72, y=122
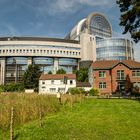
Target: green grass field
x=93, y=119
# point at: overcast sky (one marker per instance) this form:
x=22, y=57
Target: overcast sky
x=54, y=18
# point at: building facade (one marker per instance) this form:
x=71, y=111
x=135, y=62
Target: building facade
x=110, y=76
x=104, y=46
x=50, y=54
x=90, y=40
x=56, y=83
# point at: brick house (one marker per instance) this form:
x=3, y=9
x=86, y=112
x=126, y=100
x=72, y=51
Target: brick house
x=54, y=83
x=110, y=76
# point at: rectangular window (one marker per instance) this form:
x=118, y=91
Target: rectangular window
x=43, y=82
x=43, y=87
x=102, y=74
x=61, y=90
x=52, y=82
x=120, y=75
x=52, y=89
x=71, y=82
x=136, y=73
x=102, y=85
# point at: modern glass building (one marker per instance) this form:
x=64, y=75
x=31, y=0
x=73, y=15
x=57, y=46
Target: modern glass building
x=100, y=30
x=49, y=53
x=90, y=40
x=114, y=49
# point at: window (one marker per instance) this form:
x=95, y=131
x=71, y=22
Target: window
x=136, y=73
x=102, y=85
x=102, y=74
x=61, y=90
x=71, y=82
x=136, y=84
x=43, y=82
x=62, y=81
x=120, y=75
x=43, y=87
x=52, y=89
x=52, y=82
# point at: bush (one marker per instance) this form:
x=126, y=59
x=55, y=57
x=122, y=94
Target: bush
x=12, y=87
x=94, y=92
x=75, y=90
x=82, y=90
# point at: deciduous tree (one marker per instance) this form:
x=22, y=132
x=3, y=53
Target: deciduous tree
x=130, y=17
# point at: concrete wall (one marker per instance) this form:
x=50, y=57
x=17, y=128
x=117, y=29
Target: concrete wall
x=88, y=47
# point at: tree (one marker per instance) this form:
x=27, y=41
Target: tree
x=94, y=92
x=31, y=77
x=82, y=75
x=61, y=71
x=128, y=84
x=130, y=17
x=50, y=72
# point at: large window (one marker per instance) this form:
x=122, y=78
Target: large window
x=15, y=68
x=102, y=85
x=136, y=73
x=102, y=74
x=120, y=75
x=52, y=89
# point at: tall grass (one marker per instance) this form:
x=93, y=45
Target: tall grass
x=28, y=107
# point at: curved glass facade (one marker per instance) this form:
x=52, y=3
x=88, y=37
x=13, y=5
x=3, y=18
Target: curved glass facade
x=99, y=26
x=46, y=63
x=114, y=49
x=68, y=64
x=15, y=68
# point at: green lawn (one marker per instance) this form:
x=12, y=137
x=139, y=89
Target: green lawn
x=93, y=119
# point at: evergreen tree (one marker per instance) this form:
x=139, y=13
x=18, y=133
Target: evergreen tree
x=130, y=17
x=82, y=74
x=61, y=71
x=50, y=72
x=31, y=77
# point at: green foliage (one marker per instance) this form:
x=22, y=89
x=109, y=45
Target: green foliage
x=82, y=90
x=31, y=77
x=61, y=71
x=130, y=17
x=75, y=90
x=27, y=107
x=93, y=119
x=82, y=74
x=135, y=91
x=50, y=72
x=12, y=87
x=94, y=92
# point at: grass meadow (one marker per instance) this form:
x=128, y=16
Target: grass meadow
x=88, y=119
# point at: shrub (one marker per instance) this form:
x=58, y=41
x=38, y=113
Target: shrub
x=74, y=91
x=12, y=87
x=82, y=90
x=94, y=92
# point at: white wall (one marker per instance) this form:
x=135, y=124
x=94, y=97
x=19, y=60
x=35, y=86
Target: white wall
x=45, y=88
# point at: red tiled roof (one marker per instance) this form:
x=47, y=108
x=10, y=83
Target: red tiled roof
x=56, y=76
x=108, y=64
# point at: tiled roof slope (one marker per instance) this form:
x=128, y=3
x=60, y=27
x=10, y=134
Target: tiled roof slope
x=108, y=64
x=56, y=76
